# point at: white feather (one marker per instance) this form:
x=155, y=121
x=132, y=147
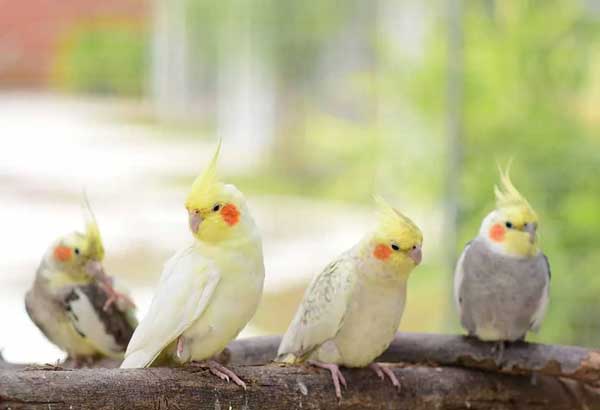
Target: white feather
x=187, y=283
x=86, y=320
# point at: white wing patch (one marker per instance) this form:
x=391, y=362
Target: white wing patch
x=88, y=324
x=184, y=290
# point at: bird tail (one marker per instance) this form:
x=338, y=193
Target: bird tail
x=137, y=360
x=288, y=358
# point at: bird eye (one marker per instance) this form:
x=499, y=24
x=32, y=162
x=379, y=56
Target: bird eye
x=414, y=247
x=76, y=251
x=509, y=224
x=196, y=211
x=216, y=208
x=395, y=247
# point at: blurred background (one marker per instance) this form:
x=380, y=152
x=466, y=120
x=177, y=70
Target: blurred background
x=320, y=105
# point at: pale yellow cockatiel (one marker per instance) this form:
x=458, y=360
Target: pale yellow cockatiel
x=208, y=291
x=73, y=302
x=502, y=279
x=351, y=311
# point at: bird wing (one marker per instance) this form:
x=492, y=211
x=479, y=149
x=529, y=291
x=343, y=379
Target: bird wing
x=184, y=291
x=540, y=312
x=109, y=331
x=321, y=313
x=459, y=275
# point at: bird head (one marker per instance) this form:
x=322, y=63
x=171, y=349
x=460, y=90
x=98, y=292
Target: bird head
x=512, y=227
x=216, y=211
x=80, y=255
x=397, y=240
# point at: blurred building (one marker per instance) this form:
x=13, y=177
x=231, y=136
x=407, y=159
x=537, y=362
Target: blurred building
x=32, y=32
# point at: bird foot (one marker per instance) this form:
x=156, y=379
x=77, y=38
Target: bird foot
x=115, y=297
x=382, y=370
x=336, y=376
x=220, y=371
x=498, y=349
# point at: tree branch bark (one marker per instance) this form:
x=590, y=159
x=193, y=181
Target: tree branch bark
x=274, y=387
x=569, y=379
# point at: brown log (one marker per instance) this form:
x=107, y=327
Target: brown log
x=275, y=387
x=522, y=358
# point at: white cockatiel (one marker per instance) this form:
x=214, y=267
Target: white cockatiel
x=351, y=311
x=73, y=301
x=208, y=291
x=502, y=279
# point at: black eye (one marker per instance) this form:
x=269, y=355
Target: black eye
x=395, y=247
x=76, y=251
x=509, y=224
x=216, y=208
x=414, y=247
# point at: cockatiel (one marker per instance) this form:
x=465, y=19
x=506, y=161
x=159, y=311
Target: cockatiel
x=502, y=279
x=209, y=290
x=351, y=311
x=72, y=300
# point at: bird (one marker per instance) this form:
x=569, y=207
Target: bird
x=351, y=310
x=502, y=278
x=73, y=302
x=209, y=290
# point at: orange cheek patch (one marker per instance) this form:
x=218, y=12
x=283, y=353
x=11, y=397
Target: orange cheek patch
x=497, y=233
x=382, y=252
x=62, y=253
x=230, y=214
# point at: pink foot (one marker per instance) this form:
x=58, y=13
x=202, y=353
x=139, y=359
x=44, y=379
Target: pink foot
x=221, y=372
x=115, y=297
x=336, y=376
x=382, y=370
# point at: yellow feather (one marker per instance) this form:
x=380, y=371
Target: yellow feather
x=95, y=248
x=393, y=224
x=206, y=186
x=509, y=199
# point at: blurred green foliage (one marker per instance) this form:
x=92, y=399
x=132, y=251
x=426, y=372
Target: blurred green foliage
x=528, y=69
x=102, y=58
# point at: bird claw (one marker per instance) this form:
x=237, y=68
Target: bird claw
x=115, y=297
x=382, y=370
x=336, y=376
x=221, y=372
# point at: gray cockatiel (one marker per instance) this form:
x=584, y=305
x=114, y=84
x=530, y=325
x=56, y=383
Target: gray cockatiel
x=502, y=279
x=351, y=311
x=72, y=300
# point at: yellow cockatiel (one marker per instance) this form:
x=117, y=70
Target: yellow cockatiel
x=351, y=310
x=73, y=302
x=208, y=291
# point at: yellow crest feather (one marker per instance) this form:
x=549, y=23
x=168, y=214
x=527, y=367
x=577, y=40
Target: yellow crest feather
x=92, y=231
x=394, y=224
x=506, y=194
x=206, y=186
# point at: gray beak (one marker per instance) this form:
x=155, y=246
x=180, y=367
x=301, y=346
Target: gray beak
x=416, y=254
x=195, y=219
x=95, y=270
x=531, y=229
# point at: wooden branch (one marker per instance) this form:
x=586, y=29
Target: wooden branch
x=477, y=384
x=572, y=362
x=274, y=387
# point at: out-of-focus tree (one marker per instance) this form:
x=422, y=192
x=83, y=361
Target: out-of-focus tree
x=529, y=69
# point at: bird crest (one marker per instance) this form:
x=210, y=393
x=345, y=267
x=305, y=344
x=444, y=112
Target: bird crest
x=394, y=224
x=92, y=231
x=206, y=186
x=508, y=197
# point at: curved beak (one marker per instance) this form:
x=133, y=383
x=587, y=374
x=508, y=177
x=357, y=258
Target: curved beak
x=95, y=269
x=416, y=254
x=531, y=229
x=195, y=219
